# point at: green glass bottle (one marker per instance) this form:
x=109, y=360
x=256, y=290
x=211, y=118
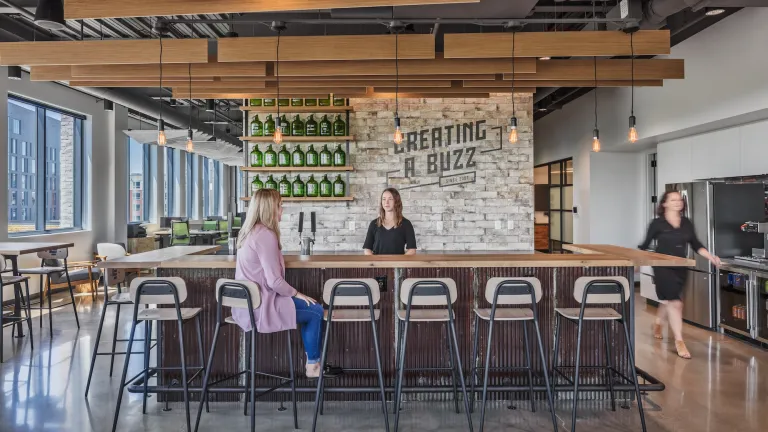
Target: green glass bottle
x=270, y=183
x=257, y=157
x=285, y=187
x=283, y=157
x=269, y=102
x=283, y=102
x=270, y=157
x=325, y=127
x=339, y=188
x=297, y=126
x=269, y=126
x=297, y=188
x=310, y=128
x=310, y=102
x=254, y=102
x=297, y=157
x=326, y=159
x=339, y=127
x=256, y=184
x=326, y=101
x=297, y=102
x=257, y=127
x=312, y=159
x=326, y=189
x=339, y=157
x=337, y=101
x=313, y=189
x=286, y=125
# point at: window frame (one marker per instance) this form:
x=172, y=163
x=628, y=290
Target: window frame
x=146, y=191
x=38, y=176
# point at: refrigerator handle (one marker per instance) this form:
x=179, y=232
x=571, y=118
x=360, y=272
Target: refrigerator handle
x=750, y=304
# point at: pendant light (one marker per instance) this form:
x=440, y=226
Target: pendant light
x=190, y=143
x=278, y=136
x=596, y=131
x=513, y=120
x=632, y=136
x=161, y=139
x=398, y=135
x=50, y=14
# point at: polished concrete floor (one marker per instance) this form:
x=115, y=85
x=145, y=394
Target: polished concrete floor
x=720, y=389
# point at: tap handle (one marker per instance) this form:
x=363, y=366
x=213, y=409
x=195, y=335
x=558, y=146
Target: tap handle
x=313, y=226
x=301, y=222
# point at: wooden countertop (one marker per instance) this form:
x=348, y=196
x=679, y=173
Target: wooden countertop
x=23, y=248
x=638, y=257
x=412, y=261
x=155, y=258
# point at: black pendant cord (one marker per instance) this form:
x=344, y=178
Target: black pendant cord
x=632, y=62
x=277, y=75
x=397, y=75
x=513, y=73
x=190, y=96
x=595, y=63
x=161, y=77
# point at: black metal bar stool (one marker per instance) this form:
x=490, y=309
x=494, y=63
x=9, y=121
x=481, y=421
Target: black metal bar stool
x=160, y=291
x=603, y=290
x=112, y=277
x=430, y=292
x=525, y=291
x=8, y=320
x=50, y=264
x=352, y=293
x=246, y=295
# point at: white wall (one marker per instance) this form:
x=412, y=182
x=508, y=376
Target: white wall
x=105, y=212
x=725, y=88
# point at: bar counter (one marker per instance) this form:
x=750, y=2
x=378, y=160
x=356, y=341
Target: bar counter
x=351, y=347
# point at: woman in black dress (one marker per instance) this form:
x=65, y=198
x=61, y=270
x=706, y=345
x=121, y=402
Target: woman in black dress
x=673, y=232
x=390, y=233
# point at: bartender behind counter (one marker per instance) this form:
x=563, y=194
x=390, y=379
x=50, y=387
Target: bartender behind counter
x=390, y=233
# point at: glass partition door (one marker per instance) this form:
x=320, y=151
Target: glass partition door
x=560, y=204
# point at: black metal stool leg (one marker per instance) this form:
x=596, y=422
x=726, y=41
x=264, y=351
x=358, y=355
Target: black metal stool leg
x=207, y=376
x=29, y=315
x=473, y=368
x=576, y=377
x=293, y=381
x=457, y=362
x=247, y=397
x=485, y=374
x=399, y=338
x=252, y=389
x=40, y=304
x=634, y=374
x=609, y=365
x=453, y=370
x=528, y=364
x=114, y=338
x=201, y=355
x=71, y=293
x=556, y=354
x=50, y=309
x=323, y=357
x=401, y=366
x=121, y=389
x=378, y=367
x=147, y=331
x=184, y=375
x=546, y=375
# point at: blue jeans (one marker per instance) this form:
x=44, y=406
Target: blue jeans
x=311, y=320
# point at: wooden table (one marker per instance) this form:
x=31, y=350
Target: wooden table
x=152, y=259
x=638, y=257
x=11, y=252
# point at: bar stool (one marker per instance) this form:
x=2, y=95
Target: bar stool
x=602, y=290
x=12, y=320
x=525, y=291
x=112, y=277
x=247, y=295
x=430, y=292
x=50, y=264
x=160, y=291
x=352, y=293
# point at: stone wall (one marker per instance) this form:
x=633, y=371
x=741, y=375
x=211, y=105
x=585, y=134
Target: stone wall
x=470, y=190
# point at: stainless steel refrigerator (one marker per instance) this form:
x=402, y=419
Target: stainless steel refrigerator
x=717, y=211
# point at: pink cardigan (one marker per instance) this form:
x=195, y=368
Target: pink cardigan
x=260, y=260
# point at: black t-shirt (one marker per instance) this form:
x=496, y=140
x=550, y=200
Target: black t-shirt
x=671, y=240
x=393, y=241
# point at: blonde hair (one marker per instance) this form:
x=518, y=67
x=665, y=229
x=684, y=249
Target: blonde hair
x=262, y=210
x=398, y=207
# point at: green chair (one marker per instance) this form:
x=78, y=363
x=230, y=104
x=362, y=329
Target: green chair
x=224, y=239
x=237, y=223
x=180, y=233
x=210, y=225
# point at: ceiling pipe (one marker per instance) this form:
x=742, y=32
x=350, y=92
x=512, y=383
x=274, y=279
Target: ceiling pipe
x=656, y=11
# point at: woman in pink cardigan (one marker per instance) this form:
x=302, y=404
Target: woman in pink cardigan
x=260, y=260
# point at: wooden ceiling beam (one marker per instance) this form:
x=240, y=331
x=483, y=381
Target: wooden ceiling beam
x=240, y=93
x=50, y=73
x=323, y=48
x=556, y=44
x=151, y=71
x=437, y=66
x=149, y=84
x=285, y=79
x=357, y=83
x=607, y=69
x=82, y=9
x=460, y=90
x=410, y=95
x=566, y=83
x=99, y=52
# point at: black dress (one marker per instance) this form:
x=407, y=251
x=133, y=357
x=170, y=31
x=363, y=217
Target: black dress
x=393, y=241
x=671, y=241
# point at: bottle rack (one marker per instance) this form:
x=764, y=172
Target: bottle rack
x=346, y=109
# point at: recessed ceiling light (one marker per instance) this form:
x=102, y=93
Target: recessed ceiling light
x=545, y=58
x=542, y=110
x=714, y=11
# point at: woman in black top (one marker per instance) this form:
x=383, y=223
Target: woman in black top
x=673, y=233
x=390, y=233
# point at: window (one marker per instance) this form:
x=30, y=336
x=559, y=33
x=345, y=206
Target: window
x=190, y=182
x=211, y=187
x=170, y=175
x=51, y=154
x=138, y=177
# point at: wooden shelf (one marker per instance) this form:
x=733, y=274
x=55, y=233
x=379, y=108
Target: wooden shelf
x=299, y=169
x=300, y=139
x=299, y=110
x=300, y=199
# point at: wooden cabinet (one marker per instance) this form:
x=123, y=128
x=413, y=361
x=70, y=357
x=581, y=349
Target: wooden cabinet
x=541, y=236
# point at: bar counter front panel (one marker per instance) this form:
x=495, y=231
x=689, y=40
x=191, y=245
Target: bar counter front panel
x=351, y=343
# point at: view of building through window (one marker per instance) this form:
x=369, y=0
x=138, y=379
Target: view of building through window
x=138, y=199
